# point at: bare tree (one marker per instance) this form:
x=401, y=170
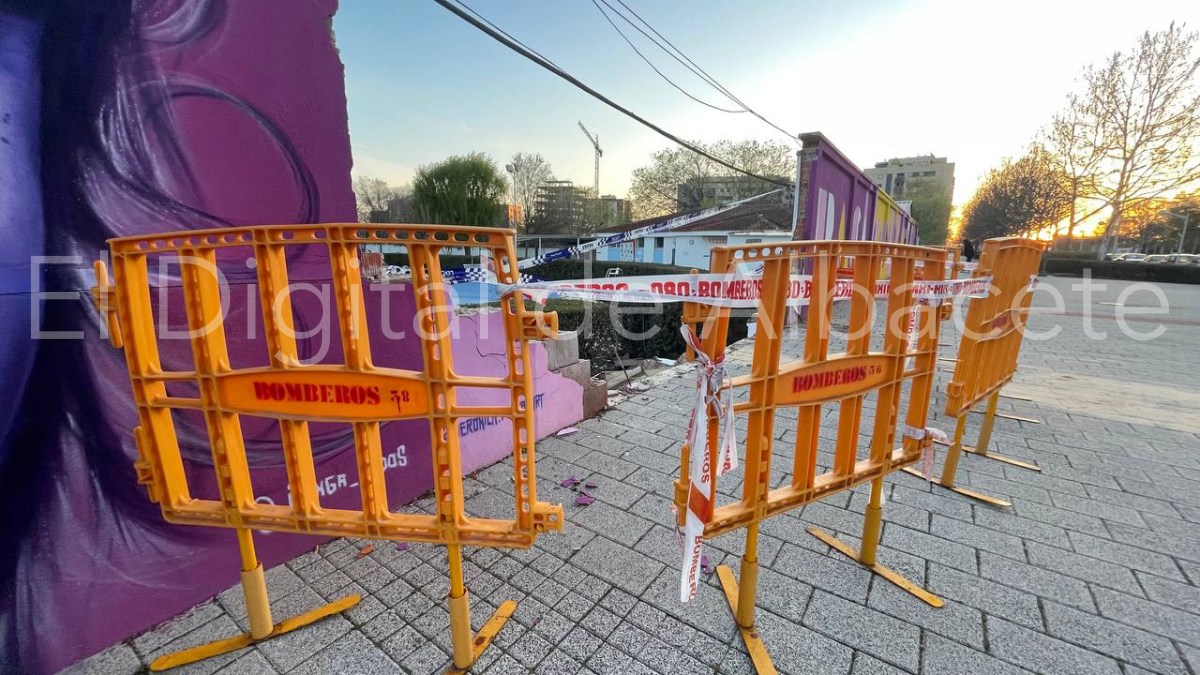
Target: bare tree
x=528, y=172
x=373, y=195
x=1073, y=138
x=679, y=179
x=1146, y=112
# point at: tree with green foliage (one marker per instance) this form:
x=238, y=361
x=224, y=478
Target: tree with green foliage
x=931, y=200
x=1019, y=197
x=461, y=190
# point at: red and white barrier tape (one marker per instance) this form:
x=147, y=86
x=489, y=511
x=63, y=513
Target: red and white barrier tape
x=734, y=291
x=937, y=435
x=710, y=380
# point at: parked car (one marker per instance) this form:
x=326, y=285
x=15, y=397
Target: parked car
x=1156, y=259
x=1131, y=257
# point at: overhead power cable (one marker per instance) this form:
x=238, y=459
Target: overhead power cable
x=516, y=46
x=690, y=64
x=651, y=63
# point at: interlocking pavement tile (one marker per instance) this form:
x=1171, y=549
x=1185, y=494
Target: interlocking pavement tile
x=116, y=660
x=930, y=547
x=984, y=595
x=1024, y=528
x=865, y=629
x=953, y=620
x=426, y=660
x=1181, y=596
x=837, y=575
x=180, y=625
x=625, y=568
x=1179, y=547
x=251, y=663
x=352, y=653
x=946, y=657
x=865, y=664
x=1155, y=618
x=617, y=524
x=1116, y=640
x=977, y=537
x=530, y=649
x=1096, y=507
x=1068, y=520
x=580, y=644
x=1091, y=570
x=608, y=660
x=787, y=597
x=1129, y=556
x=946, y=504
x=1043, y=654
x=1035, y=580
x=796, y=649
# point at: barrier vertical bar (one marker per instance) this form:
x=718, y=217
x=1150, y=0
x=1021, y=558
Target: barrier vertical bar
x=900, y=303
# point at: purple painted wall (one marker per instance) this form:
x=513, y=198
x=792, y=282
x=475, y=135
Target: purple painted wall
x=121, y=117
x=838, y=201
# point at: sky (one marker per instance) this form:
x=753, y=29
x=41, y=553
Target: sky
x=966, y=80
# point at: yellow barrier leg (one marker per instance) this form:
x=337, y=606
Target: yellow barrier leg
x=985, y=436
x=468, y=647
x=872, y=527
x=740, y=597
x=258, y=609
x=950, y=468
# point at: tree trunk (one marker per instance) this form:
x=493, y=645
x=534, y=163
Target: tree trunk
x=1114, y=225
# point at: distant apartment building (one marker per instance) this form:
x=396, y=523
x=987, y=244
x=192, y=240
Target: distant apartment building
x=560, y=207
x=699, y=193
x=612, y=210
x=897, y=174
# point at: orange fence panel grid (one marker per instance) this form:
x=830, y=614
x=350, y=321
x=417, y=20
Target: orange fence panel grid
x=814, y=381
x=993, y=330
x=353, y=392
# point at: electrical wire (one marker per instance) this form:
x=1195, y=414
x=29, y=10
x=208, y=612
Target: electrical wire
x=515, y=45
x=655, y=68
x=690, y=64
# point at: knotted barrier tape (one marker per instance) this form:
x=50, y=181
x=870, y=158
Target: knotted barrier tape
x=710, y=383
x=919, y=434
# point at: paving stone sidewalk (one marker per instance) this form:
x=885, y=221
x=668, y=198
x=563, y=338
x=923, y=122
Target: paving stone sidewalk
x=1094, y=569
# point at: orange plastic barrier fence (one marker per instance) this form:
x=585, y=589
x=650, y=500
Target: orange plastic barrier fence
x=878, y=361
x=354, y=392
x=993, y=331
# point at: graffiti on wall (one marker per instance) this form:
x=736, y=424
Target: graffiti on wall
x=124, y=117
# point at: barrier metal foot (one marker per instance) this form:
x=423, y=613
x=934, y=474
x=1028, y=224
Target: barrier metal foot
x=754, y=644
x=488, y=633
x=235, y=643
x=1002, y=458
x=987, y=499
x=1006, y=416
x=885, y=572
x=999, y=458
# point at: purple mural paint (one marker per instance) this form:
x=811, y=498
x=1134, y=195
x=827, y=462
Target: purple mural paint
x=150, y=116
x=838, y=201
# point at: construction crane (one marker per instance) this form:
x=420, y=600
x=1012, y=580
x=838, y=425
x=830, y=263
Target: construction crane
x=595, y=140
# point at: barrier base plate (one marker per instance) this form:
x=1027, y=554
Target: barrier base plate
x=754, y=644
x=486, y=634
x=987, y=499
x=1006, y=416
x=885, y=572
x=237, y=642
x=999, y=458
